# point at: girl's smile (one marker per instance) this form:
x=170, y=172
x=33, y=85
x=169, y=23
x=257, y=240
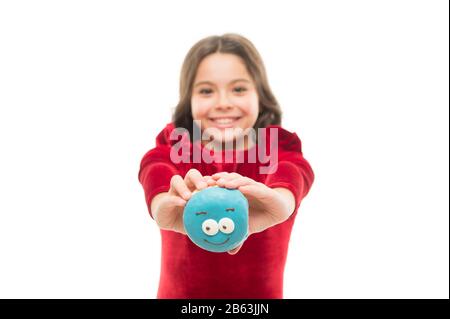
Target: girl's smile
x=222, y=122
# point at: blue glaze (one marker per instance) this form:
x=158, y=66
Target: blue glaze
x=216, y=218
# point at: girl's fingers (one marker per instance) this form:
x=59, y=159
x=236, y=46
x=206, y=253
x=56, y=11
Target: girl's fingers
x=238, y=182
x=178, y=187
x=220, y=178
x=209, y=180
x=223, y=178
x=254, y=189
x=194, y=180
x=216, y=176
x=176, y=201
x=226, y=175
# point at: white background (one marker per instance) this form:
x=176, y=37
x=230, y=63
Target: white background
x=85, y=86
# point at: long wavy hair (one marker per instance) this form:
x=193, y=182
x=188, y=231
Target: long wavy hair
x=269, y=110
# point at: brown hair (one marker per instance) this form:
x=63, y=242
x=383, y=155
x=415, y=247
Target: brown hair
x=269, y=110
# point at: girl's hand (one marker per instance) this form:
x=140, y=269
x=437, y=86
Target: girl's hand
x=168, y=207
x=267, y=206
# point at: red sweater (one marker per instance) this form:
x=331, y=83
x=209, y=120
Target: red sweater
x=256, y=271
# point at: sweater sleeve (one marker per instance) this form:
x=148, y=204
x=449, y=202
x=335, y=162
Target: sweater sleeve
x=293, y=171
x=156, y=170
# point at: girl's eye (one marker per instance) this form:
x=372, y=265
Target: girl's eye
x=205, y=91
x=240, y=89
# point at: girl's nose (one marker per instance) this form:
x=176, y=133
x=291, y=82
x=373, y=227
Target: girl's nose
x=224, y=103
x=224, y=107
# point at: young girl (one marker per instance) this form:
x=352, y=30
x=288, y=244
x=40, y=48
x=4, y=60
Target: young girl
x=224, y=89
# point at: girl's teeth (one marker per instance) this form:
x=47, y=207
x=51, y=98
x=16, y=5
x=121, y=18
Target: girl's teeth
x=224, y=121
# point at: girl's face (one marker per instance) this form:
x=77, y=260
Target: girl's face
x=224, y=96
